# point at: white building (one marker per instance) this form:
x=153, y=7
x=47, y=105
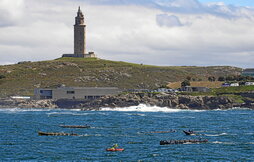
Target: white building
x=234, y=84
x=74, y=92
x=249, y=83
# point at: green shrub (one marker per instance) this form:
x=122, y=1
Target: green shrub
x=2, y=76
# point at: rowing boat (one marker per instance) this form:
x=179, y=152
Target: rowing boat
x=114, y=149
x=189, y=132
x=56, y=134
x=173, y=142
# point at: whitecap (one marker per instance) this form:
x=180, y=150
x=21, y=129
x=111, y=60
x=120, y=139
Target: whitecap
x=131, y=114
x=17, y=110
x=215, y=135
x=217, y=142
x=187, y=117
x=60, y=113
x=89, y=135
x=233, y=108
x=226, y=143
x=249, y=133
x=63, y=112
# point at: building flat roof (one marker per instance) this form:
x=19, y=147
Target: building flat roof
x=248, y=70
x=88, y=88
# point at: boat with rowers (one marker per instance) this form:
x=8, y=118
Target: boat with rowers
x=189, y=133
x=56, y=134
x=114, y=149
x=174, y=142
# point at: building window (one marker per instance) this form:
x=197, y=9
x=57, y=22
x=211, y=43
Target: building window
x=90, y=97
x=70, y=92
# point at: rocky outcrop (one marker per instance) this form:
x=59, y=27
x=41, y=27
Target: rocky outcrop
x=10, y=103
x=161, y=100
x=37, y=104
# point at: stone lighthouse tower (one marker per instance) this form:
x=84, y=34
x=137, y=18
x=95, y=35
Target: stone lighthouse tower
x=79, y=34
x=80, y=38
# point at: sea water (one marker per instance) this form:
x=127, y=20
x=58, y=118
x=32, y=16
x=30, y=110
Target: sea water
x=230, y=134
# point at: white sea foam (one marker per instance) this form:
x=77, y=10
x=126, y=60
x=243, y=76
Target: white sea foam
x=67, y=113
x=145, y=108
x=215, y=135
x=217, y=142
x=225, y=143
x=252, y=143
x=15, y=110
x=233, y=108
x=131, y=114
x=187, y=117
x=251, y=133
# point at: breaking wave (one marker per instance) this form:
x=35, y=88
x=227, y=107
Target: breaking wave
x=145, y=108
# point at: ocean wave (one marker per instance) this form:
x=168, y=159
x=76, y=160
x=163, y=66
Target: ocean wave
x=90, y=135
x=145, y=108
x=217, y=142
x=135, y=114
x=226, y=143
x=67, y=113
x=14, y=110
x=233, y=108
x=251, y=133
x=215, y=135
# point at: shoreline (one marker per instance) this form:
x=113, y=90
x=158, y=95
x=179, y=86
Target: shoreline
x=171, y=101
x=127, y=109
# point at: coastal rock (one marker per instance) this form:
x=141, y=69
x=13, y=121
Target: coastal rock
x=37, y=104
x=161, y=100
x=21, y=103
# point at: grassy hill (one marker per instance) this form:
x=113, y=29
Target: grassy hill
x=22, y=78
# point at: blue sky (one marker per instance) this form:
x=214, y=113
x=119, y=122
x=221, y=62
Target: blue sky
x=156, y=32
x=233, y=2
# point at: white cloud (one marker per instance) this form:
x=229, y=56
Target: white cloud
x=168, y=20
x=10, y=11
x=162, y=32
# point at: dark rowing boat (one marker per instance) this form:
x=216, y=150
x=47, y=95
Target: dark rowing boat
x=75, y=126
x=189, y=132
x=56, y=134
x=174, y=142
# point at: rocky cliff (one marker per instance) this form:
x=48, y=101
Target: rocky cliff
x=18, y=103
